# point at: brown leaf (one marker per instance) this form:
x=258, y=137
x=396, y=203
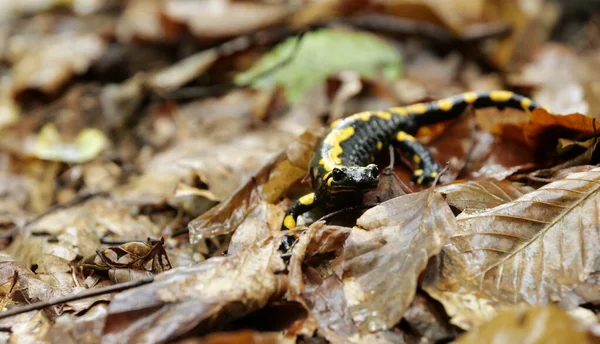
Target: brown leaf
x=223, y=18
x=268, y=184
x=544, y=126
x=427, y=321
x=85, y=329
x=496, y=158
x=387, y=251
x=201, y=297
x=483, y=194
x=535, y=249
x=546, y=324
x=237, y=337
x=51, y=64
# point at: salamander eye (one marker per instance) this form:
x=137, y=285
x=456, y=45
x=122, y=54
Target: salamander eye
x=373, y=171
x=337, y=174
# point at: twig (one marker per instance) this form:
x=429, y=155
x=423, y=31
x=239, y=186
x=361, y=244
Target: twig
x=83, y=295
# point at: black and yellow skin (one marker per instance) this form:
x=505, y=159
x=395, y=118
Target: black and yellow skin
x=342, y=168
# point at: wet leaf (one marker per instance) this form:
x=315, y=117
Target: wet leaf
x=535, y=249
x=324, y=53
x=480, y=195
x=202, y=297
x=528, y=325
x=268, y=184
x=543, y=124
x=387, y=251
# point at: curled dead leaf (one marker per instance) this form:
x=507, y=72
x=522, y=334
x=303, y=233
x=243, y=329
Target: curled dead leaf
x=198, y=298
x=387, y=251
x=268, y=184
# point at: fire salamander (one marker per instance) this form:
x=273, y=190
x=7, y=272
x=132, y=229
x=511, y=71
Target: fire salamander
x=342, y=168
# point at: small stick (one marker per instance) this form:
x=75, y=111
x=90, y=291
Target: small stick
x=83, y=295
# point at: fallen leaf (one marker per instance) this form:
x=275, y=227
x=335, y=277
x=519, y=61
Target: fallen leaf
x=387, y=251
x=482, y=194
x=51, y=64
x=86, y=328
x=535, y=249
x=49, y=145
x=224, y=18
x=268, y=184
x=197, y=298
x=236, y=337
x=324, y=53
x=546, y=324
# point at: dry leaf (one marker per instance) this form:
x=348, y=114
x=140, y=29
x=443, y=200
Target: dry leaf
x=49, y=66
x=483, y=194
x=201, y=297
x=268, y=184
x=535, y=249
x=528, y=326
x=387, y=251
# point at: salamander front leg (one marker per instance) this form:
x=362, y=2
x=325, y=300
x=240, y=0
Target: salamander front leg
x=301, y=206
x=426, y=166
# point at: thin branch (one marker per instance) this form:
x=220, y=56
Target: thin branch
x=69, y=298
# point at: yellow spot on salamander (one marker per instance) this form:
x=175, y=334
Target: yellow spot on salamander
x=289, y=222
x=402, y=111
x=379, y=145
x=416, y=159
x=433, y=174
x=372, y=158
x=329, y=181
x=363, y=116
x=445, y=104
x=418, y=172
x=402, y=136
x=418, y=108
x=336, y=122
x=500, y=96
x=326, y=175
x=307, y=199
x=526, y=103
x=383, y=115
x=470, y=97
x=334, y=139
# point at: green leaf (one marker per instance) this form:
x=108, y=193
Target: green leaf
x=320, y=54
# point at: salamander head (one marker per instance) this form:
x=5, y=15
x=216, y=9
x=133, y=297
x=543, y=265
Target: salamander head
x=353, y=178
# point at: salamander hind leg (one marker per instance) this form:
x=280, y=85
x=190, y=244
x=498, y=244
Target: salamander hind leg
x=301, y=206
x=426, y=168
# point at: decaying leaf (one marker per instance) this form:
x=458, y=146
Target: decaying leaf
x=324, y=53
x=201, y=297
x=481, y=195
x=535, y=249
x=49, y=66
x=133, y=255
x=387, y=251
x=534, y=325
x=268, y=185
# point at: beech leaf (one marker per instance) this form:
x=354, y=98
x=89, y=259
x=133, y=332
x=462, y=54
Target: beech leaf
x=387, y=251
x=535, y=249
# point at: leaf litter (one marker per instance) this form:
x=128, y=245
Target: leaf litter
x=149, y=150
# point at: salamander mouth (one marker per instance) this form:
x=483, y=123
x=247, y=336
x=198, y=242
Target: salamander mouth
x=354, y=188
